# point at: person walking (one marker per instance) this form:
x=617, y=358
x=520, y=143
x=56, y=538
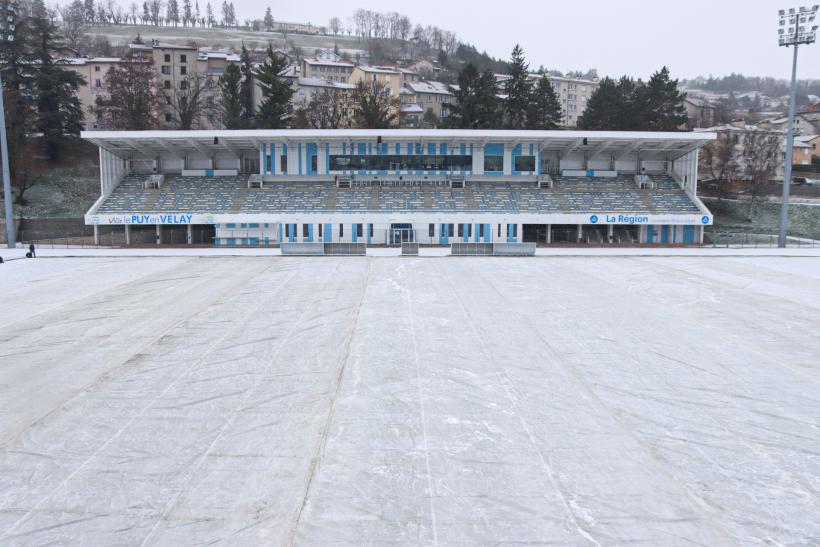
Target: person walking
x=31, y=250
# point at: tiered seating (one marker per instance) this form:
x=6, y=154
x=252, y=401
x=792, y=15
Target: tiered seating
x=353, y=200
x=664, y=182
x=128, y=197
x=671, y=201
x=198, y=194
x=401, y=199
x=230, y=194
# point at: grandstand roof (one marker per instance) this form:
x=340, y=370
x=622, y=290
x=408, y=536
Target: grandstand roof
x=150, y=143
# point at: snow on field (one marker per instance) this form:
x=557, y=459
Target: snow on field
x=269, y=400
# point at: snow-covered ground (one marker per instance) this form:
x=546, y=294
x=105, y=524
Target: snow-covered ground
x=586, y=400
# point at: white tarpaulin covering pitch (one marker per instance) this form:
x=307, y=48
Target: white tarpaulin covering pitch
x=574, y=401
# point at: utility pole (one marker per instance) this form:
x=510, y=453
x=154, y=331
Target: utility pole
x=796, y=27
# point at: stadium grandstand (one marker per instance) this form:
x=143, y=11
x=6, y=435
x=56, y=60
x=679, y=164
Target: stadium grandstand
x=382, y=187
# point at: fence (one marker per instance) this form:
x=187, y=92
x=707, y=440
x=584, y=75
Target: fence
x=748, y=237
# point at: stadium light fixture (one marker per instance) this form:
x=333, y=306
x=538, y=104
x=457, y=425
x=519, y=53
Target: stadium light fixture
x=797, y=26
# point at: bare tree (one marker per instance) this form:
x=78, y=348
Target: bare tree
x=373, y=107
x=335, y=25
x=189, y=103
x=73, y=26
x=326, y=109
x=761, y=155
x=720, y=161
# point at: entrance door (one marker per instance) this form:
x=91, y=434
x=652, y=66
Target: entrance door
x=327, y=233
x=250, y=165
x=401, y=233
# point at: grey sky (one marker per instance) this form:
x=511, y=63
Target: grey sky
x=695, y=37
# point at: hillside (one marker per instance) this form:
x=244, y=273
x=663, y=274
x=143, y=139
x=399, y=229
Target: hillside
x=121, y=35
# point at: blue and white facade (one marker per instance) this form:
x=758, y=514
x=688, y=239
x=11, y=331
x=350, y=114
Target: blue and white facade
x=271, y=186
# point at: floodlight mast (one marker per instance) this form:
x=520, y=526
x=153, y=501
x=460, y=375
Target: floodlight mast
x=800, y=30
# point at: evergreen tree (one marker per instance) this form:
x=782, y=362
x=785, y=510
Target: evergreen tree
x=268, y=19
x=209, y=13
x=246, y=88
x=18, y=87
x=59, y=112
x=90, y=12
x=230, y=86
x=518, y=90
x=187, y=14
x=476, y=105
x=659, y=104
x=612, y=107
x=544, y=111
x=172, y=12
x=196, y=12
x=276, y=91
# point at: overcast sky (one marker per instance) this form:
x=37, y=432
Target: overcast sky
x=635, y=37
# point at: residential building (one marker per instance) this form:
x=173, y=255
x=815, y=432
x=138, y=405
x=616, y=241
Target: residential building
x=326, y=65
x=805, y=123
x=699, y=112
x=390, y=77
x=740, y=136
x=424, y=104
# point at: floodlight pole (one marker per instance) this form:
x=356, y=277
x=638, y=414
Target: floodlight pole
x=787, y=171
x=11, y=239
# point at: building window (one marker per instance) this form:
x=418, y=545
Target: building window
x=167, y=117
x=431, y=230
x=183, y=70
x=460, y=230
x=183, y=58
x=305, y=230
x=210, y=100
x=283, y=164
x=493, y=164
x=167, y=84
x=96, y=69
x=167, y=57
x=320, y=230
x=183, y=84
x=359, y=232
x=167, y=99
x=341, y=230
x=525, y=163
x=165, y=69
x=211, y=117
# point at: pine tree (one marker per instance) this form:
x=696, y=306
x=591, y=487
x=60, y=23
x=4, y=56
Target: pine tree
x=246, y=89
x=18, y=88
x=59, y=112
x=276, y=91
x=172, y=12
x=544, y=110
x=518, y=90
x=90, y=11
x=209, y=13
x=230, y=85
x=612, y=107
x=660, y=104
x=476, y=105
x=268, y=19
x=187, y=14
x=196, y=12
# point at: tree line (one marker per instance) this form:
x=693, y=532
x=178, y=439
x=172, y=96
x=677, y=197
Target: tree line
x=627, y=105
x=39, y=94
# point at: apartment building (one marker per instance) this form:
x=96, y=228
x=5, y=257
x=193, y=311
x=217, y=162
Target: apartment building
x=326, y=65
x=392, y=78
x=424, y=104
x=573, y=93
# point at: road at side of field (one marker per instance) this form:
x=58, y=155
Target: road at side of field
x=576, y=400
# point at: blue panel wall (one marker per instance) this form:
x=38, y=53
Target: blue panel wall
x=688, y=234
x=265, y=159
